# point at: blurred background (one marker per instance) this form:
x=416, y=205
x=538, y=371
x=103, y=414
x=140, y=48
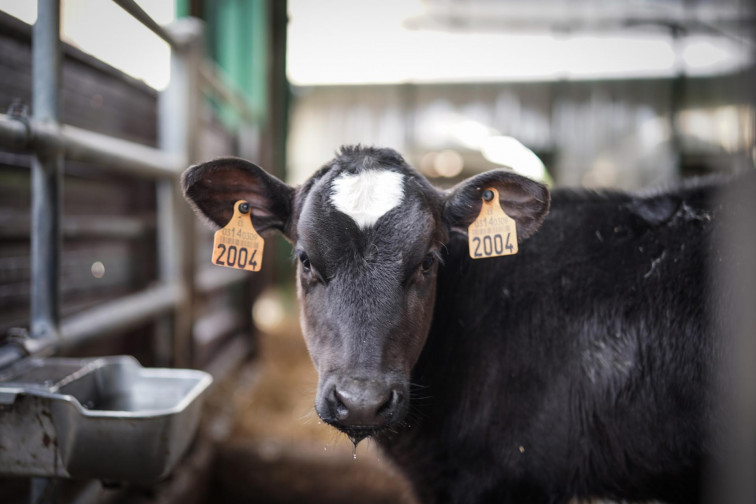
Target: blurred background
x=594, y=93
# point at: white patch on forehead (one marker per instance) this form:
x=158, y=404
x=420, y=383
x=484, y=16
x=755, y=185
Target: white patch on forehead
x=367, y=195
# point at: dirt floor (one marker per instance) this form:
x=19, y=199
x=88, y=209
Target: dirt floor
x=281, y=452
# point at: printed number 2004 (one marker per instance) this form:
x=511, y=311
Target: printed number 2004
x=491, y=245
x=236, y=257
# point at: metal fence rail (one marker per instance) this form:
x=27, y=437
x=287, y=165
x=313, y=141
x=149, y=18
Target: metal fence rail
x=110, y=153
x=138, y=13
x=169, y=301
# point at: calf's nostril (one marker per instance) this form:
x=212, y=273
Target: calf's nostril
x=391, y=399
x=341, y=410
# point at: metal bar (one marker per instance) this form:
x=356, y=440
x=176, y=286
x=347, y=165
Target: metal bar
x=213, y=83
x=215, y=325
x=138, y=13
x=114, y=227
x=114, y=153
x=556, y=14
x=732, y=279
x=10, y=353
x=82, y=145
x=120, y=228
x=14, y=134
x=167, y=267
x=121, y=314
x=228, y=359
x=179, y=107
x=213, y=278
x=46, y=176
x=167, y=232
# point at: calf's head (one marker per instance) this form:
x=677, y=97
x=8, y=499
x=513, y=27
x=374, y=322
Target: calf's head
x=369, y=234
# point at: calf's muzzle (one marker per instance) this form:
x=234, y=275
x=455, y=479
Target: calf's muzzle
x=361, y=407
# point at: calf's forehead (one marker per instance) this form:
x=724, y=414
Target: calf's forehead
x=370, y=212
x=367, y=196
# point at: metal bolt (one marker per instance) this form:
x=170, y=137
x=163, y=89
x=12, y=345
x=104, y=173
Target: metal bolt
x=488, y=195
x=18, y=109
x=244, y=207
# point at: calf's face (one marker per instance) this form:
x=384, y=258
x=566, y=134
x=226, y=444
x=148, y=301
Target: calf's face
x=368, y=233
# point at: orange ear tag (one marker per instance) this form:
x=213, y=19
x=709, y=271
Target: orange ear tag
x=493, y=233
x=237, y=244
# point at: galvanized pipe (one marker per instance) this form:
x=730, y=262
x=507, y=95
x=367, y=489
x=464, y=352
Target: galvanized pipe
x=82, y=145
x=138, y=13
x=47, y=168
x=46, y=176
x=10, y=352
x=74, y=227
x=15, y=133
x=179, y=107
x=116, y=154
x=168, y=257
x=211, y=278
x=120, y=314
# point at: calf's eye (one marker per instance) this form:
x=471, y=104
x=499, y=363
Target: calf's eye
x=305, y=262
x=428, y=262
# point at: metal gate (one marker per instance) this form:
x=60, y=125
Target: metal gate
x=169, y=301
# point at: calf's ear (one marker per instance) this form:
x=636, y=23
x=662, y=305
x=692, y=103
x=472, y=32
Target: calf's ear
x=524, y=200
x=212, y=188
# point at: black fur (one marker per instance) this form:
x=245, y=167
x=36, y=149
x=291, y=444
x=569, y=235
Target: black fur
x=579, y=367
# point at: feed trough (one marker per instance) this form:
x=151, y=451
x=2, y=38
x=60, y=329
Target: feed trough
x=107, y=418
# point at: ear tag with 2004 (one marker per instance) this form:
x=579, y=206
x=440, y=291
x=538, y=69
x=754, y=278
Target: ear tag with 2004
x=493, y=233
x=237, y=244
